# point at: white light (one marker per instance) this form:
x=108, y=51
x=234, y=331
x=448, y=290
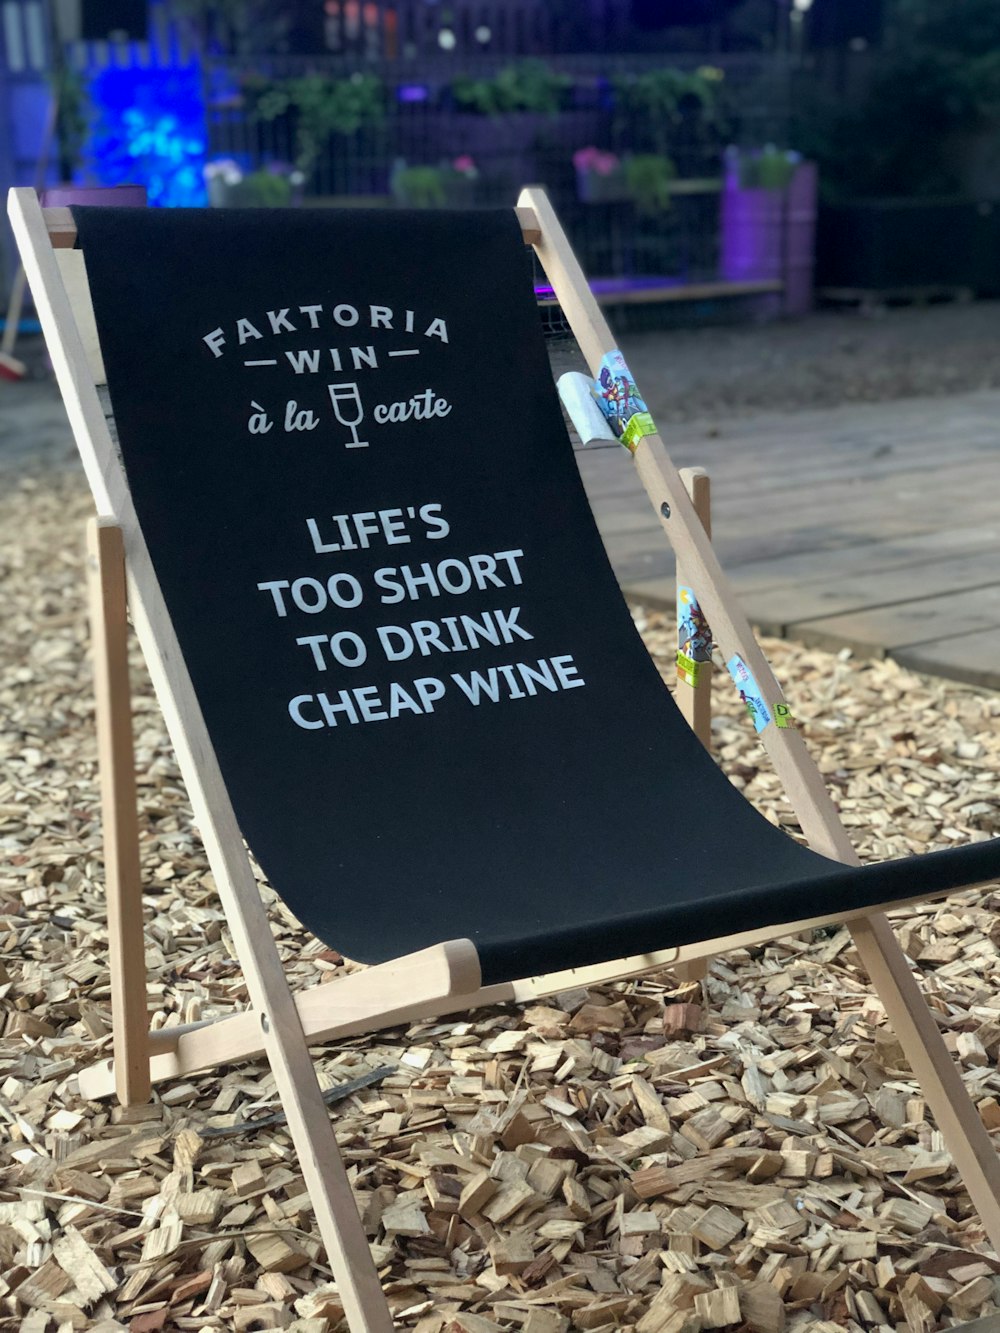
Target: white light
x=447, y=39
x=483, y=35
x=803, y=6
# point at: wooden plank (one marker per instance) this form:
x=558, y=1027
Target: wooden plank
x=62, y=229
x=187, y=1049
x=832, y=498
x=74, y=276
x=901, y=493
x=820, y=457
x=656, y=291
x=693, y=291
x=866, y=427
x=970, y=657
x=968, y=1140
x=843, y=593
x=116, y=763
x=695, y=701
x=789, y=544
x=905, y=624
x=416, y=984
x=869, y=557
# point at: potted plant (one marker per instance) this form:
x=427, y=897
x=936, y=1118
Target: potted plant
x=768, y=219
x=502, y=118
x=600, y=176
x=448, y=185
x=648, y=181
x=318, y=108
x=644, y=178
x=527, y=85
x=661, y=107
x=275, y=186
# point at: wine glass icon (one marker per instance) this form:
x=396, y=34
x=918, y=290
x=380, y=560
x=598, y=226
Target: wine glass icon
x=349, y=412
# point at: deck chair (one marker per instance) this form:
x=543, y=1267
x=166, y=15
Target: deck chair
x=393, y=658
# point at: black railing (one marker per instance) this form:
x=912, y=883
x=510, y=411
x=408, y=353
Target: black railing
x=419, y=122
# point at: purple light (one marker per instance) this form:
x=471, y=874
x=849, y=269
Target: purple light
x=609, y=287
x=412, y=92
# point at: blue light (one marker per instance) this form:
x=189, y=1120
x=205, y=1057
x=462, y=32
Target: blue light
x=413, y=92
x=150, y=129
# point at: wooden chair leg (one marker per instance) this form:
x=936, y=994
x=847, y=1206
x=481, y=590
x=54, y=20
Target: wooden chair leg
x=116, y=761
x=694, y=698
x=973, y=1151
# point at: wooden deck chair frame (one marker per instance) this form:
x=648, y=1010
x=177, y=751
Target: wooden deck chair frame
x=445, y=978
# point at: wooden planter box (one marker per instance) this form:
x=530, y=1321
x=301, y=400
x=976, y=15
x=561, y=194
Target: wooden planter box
x=769, y=234
x=593, y=188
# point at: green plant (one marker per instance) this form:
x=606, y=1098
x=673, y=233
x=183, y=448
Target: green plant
x=769, y=169
x=528, y=85
x=648, y=178
x=322, y=107
x=236, y=27
x=420, y=187
x=450, y=184
x=936, y=85
x=72, y=117
x=262, y=189
x=654, y=105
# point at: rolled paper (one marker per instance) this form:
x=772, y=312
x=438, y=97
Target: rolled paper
x=577, y=393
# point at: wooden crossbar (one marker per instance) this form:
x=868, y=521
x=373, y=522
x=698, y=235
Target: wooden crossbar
x=62, y=229
x=360, y=1003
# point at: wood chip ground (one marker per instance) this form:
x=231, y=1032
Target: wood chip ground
x=638, y=1157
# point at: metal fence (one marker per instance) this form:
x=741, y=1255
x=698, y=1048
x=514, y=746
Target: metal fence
x=419, y=122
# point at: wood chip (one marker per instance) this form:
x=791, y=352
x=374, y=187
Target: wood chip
x=604, y=1159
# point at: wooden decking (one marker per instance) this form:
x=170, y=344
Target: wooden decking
x=872, y=526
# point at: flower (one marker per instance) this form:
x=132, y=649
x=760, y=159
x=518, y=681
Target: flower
x=591, y=159
x=230, y=170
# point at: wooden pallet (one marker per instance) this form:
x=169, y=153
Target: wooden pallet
x=870, y=300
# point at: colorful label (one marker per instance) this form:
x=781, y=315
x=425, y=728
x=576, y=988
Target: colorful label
x=783, y=717
x=621, y=402
x=694, y=638
x=688, y=669
x=636, y=427
x=759, y=712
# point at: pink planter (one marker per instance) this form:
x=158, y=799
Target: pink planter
x=769, y=235
x=751, y=231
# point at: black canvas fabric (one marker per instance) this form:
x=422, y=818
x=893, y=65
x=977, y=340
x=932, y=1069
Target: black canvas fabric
x=557, y=828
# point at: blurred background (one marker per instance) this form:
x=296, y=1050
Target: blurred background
x=709, y=158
